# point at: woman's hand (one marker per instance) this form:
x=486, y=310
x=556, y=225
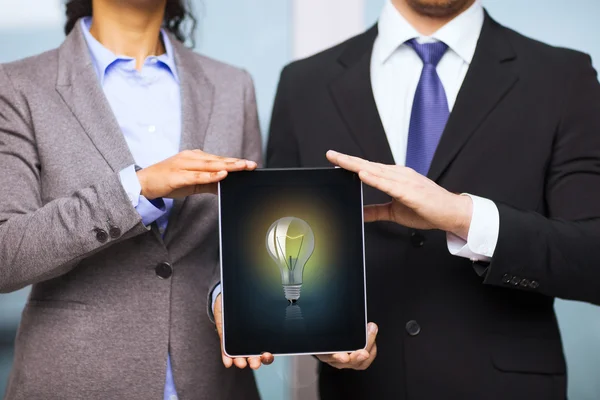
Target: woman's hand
x=239, y=362
x=189, y=172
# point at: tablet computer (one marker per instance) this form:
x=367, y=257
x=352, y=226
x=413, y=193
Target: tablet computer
x=292, y=262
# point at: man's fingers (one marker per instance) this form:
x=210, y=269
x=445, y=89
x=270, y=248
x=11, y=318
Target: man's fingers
x=326, y=358
x=392, y=173
x=358, y=357
x=367, y=363
x=380, y=212
x=372, y=329
x=350, y=163
x=379, y=183
x=341, y=358
x=334, y=358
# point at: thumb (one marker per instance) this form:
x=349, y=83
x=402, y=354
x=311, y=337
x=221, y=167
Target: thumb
x=380, y=212
x=208, y=188
x=218, y=313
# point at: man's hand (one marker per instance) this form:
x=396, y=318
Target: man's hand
x=186, y=173
x=418, y=202
x=358, y=360
x=254, y=362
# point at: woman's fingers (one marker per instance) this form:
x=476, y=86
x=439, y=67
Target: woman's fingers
x=218, y=313
x=254, y=362
x=267, y=358
x=241, y=363
x=203, y=165
x=193, y=178
x=199, y=155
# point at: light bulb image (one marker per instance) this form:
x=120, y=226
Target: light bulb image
x=290, y=241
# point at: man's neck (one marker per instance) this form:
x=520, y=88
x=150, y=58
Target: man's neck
x=127, y=30
x=424, y=24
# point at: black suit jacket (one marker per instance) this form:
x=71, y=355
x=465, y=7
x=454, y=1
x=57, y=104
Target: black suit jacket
x=525, y=133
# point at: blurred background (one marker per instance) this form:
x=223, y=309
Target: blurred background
x=264, y=35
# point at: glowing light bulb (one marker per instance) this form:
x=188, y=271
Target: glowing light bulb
x=290, y=242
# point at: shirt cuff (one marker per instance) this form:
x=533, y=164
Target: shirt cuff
x=150, y=211
x=216, y=292
x=483, y=232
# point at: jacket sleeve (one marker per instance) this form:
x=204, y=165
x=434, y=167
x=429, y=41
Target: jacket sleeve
x=559, y=254
x=252, y=150
x=43, y=241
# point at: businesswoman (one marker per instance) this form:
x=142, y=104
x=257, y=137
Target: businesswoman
x=107, y=207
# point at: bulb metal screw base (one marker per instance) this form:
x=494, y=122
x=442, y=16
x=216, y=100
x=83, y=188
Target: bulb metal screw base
x=292, y=292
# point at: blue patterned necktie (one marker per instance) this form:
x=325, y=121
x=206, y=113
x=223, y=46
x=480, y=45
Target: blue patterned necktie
x=430, y=110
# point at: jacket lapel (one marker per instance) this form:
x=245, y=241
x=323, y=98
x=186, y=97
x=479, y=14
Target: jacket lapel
x=353, y=95
x=197, y=96
x=197, y=99
x=489, y=79
x=80, y=89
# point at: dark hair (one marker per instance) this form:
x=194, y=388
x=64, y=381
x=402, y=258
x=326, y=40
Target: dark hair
x=176, y=14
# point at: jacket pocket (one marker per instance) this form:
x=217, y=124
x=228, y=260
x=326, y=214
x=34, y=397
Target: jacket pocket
x=528, y=355
x=57, y=304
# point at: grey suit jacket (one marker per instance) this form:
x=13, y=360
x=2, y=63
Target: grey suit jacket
x=99, y=321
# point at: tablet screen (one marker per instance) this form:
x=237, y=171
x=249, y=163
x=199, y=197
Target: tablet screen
x=292, y=262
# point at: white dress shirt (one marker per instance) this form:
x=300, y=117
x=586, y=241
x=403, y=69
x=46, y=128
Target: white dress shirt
x=395, y=72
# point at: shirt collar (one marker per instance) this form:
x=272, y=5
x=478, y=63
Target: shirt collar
x=104, y=58
x=461, y=34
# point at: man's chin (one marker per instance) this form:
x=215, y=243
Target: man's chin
x=439, y=8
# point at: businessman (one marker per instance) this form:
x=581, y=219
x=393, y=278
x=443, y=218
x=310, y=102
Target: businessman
x=484, y=181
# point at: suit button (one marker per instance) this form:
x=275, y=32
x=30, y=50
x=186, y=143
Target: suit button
x=515, y=281
x=506, y=278
x=525, y=283
x=413, y=328
x=114, y=232
x=417, y=239
x=164, y=270
x=534, y=284
x=101, y=235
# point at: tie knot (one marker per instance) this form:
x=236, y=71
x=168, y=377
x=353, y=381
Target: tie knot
x=430, y=53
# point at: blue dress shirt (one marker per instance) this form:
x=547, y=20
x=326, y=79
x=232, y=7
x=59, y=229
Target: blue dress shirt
x=147, y=106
